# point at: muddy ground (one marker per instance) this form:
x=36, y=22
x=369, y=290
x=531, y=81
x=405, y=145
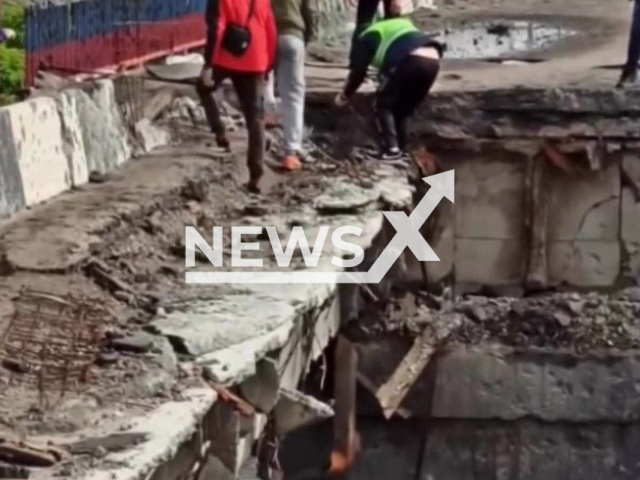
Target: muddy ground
x=132, y=264
x=587, y=20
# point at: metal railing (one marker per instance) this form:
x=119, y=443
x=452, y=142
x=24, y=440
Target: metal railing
x=95, y=35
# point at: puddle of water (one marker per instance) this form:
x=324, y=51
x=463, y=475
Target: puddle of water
x=482, y=39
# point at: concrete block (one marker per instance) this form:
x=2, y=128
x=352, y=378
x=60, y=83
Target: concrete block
x=37, y=138
x=222, y=428
x=11, y=192
x=151, y=136
x=584, y=206
x=527, y=450
x=489, y=199
x=584, y=263
x=489, y=262
x=630, y=216
x=105, y=138
x=261, y=390
x=484, y=383
x=72, y=137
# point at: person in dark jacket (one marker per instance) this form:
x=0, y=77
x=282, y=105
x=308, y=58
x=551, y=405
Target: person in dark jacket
x=408, y=62
x=630, y=70
x=247, y=72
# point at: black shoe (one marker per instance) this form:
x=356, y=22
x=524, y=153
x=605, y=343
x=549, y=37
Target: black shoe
x=395, y=155
x=627, y=78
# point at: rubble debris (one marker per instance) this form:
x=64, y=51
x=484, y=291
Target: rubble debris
x=255, y=210
x=632, y=294
x=598, y=320
x=13, y=472
x=111, y=443
x=104, y=359
x=563, y=318
x=103, y=277
x=23, y=453
x=344, y=197
x=139, y=342
x=151, y=136
x=391, y=394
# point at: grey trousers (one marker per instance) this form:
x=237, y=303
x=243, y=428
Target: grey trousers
x=291, y=87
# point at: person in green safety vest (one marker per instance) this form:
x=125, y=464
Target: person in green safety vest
x=367, y=13
x=408, y=61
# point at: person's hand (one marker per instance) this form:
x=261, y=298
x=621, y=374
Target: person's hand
x=206, y=77
x=341, y=100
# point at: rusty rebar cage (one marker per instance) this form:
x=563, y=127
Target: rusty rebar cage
x=51, y=341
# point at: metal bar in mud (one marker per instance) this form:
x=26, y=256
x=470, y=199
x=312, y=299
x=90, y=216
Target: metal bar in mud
x=345, y=436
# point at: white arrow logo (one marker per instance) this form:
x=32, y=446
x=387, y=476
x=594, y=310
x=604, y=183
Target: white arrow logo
x=407, y=236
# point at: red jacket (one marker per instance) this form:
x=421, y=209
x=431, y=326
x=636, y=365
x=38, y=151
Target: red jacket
x=260, y=57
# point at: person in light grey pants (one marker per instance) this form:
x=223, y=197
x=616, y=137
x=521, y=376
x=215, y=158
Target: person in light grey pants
x=291, y=85
x=297, y=22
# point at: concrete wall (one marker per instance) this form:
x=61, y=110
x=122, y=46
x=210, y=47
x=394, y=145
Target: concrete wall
x=51, y=144
x=590, y=233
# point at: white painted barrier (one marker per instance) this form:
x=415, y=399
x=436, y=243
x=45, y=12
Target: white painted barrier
x=50, y=144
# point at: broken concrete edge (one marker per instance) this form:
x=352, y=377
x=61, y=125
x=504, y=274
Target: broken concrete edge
x=520, y=100
x=230, y=334
x=296, y=410
x=166, y=428
x=50, y=144
x=230, y=348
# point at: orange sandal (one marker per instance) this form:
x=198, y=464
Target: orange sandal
x=291, y=163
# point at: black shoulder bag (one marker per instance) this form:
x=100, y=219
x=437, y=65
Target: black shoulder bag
x=237, y=38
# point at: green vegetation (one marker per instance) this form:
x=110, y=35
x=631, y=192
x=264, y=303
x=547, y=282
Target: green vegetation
x=12, y=54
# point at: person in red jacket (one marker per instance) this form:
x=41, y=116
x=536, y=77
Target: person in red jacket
x=247, y=70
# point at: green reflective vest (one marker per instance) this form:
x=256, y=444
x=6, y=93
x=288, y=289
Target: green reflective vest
x=389, y=31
